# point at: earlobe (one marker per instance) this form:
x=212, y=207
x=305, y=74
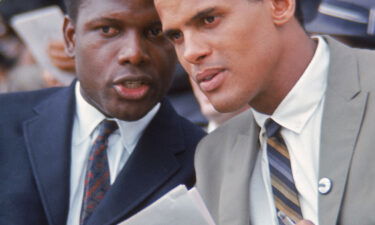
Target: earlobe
x=69, y=37
x=282, y=11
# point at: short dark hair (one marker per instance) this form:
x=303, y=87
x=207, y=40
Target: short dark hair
x=71, y=7
x=299, y=13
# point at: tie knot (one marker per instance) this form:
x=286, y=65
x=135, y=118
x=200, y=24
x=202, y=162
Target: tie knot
x=107, y=127
x=271, y=128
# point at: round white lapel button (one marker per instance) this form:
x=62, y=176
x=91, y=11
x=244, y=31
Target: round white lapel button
x=324, y=186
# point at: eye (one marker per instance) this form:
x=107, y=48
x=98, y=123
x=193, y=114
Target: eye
x=175, y=36
x=209, y=19
x=109, y=31
x=154, y=32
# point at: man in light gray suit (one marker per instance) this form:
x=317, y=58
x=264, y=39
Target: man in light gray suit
x=304, y=153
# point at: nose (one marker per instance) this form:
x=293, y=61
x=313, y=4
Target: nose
x=195, y=49
x=133, y=49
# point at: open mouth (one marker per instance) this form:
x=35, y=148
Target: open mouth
x=132, y=90
x=133, y=84
x=210, y=79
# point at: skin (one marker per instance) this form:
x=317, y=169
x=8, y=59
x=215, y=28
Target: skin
x=304, y=222
x=58, y=57
x=122, y=60
x=249, y=51
x=238, y=52
x=208, y=110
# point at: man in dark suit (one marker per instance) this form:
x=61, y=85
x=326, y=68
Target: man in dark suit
x=51, y=171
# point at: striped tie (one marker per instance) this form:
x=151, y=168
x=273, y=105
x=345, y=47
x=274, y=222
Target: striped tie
x=97, y=179
x=284, y=191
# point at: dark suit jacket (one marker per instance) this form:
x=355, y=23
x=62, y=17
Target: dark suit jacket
x=35, y=146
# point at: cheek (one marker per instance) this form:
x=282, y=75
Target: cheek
x=164, y=61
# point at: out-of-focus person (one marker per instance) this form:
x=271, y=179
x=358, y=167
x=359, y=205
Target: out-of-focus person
x=182, y=98
x=59, y=57
x=18, y=69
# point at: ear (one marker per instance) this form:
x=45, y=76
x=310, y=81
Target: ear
x=69, y=36
x=282, y=11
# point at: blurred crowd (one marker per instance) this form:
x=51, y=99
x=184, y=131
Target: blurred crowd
x=350, y=21
x=18, y=68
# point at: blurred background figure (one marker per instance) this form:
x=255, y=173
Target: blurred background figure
x=18, y=69
x=59, y=58
x=183, y=100
x=350, y=21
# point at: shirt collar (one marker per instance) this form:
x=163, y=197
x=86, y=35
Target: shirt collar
x=88, y=118
x=298, y=106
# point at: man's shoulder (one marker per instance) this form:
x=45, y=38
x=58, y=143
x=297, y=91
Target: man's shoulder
x=226, y=135
x=366, y=68
x=28, y=96
x=168, y=123
x=192, y=131
x=23, y=102
x=351, y=67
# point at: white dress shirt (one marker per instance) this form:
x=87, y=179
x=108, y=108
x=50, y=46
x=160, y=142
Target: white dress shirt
x=300, y=115
x=121, y=144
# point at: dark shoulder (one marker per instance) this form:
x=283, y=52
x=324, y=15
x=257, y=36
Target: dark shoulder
x=169, y=128
x=192, y=132
x=27, y=96
x=23, y=102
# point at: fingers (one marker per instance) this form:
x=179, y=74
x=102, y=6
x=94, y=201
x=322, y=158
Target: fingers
x=56, y=52
x=304, y=222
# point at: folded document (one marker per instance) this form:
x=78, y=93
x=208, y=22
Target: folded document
x=177, y=207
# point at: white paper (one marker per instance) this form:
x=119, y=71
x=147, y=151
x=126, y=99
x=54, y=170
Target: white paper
x=177, y=207
x=37, y=28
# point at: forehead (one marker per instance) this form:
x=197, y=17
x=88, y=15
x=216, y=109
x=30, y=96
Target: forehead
x=177, y=12
x=136, y=9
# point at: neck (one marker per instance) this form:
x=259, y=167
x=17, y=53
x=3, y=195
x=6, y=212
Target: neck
x=296, y=53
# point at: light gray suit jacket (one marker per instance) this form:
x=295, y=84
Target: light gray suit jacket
x=225, y=158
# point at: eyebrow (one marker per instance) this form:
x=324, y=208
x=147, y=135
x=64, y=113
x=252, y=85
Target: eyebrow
x=199, y=15
x=100, y=20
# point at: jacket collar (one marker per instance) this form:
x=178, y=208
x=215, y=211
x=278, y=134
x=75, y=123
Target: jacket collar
x=48, y=140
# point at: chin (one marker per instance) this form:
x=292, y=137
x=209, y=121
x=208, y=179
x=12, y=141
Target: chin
x=227, y=107
x=130, y=117
x=127, y=115
x=130, y=110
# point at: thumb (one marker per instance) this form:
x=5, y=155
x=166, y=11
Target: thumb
x=305, y=222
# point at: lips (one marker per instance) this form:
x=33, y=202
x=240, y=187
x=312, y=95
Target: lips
x=210, y=79
x=131, y=88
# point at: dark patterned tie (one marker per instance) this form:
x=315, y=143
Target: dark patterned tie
x=284, y=191
x=97, y=179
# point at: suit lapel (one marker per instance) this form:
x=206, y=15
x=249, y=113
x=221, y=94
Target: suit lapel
x=342, y=118
x=236, y=180
x=151, y=165
x=48, y=140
